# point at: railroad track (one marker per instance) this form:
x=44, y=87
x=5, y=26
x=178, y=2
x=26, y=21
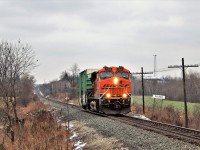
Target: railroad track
x=177, y=132
x=181, y=133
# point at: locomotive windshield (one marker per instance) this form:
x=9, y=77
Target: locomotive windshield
x=122, y=75
x=106, y=75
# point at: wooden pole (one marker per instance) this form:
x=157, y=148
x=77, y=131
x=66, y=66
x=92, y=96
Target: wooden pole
x=143, y=90
x=185, y=98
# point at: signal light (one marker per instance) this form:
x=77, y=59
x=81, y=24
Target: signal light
x=108, y=95
x=124, y=95
x=116, y=81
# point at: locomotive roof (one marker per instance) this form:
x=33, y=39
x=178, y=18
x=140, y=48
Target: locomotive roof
x=89, y=71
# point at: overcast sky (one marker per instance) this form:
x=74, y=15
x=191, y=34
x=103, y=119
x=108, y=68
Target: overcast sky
x=105, y=32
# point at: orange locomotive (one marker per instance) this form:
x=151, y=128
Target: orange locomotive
x=107, y=90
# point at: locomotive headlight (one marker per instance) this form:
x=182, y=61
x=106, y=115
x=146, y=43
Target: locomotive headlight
x=124, y=95
x=116, y=81
x=108, y=95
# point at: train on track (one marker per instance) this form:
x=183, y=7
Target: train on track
x=106, y=90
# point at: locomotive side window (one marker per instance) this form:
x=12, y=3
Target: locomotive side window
x=106, y=75
x=122, y=75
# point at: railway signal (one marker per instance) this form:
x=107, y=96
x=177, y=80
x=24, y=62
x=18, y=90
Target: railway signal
x=183, y=66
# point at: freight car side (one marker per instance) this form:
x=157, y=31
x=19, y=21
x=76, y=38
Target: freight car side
x=85, y=85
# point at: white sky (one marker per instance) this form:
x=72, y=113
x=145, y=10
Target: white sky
x=108, y=32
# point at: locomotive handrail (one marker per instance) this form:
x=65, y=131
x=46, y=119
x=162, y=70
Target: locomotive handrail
x=104, y=93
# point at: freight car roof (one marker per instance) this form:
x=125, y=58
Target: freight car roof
x=88, y=71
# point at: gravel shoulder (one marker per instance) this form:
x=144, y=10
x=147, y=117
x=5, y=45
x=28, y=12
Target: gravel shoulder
x=105, y=134
x=94, y=139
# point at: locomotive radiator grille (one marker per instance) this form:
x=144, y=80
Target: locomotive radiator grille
x=116, y=91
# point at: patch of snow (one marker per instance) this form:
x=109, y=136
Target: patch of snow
x=58, y=121
x=45, y=103
x=138, y=116
x=73, y=136
x=41, y=93
x=79, y=145
x=61, y=117
x=71, y=126
x=141, y=117
x=65, y=125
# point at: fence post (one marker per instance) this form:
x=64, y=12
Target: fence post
x=161, y=110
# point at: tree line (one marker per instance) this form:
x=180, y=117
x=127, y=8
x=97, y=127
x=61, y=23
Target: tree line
x=171, y=87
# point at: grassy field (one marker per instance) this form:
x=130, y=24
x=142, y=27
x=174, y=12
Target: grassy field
x=176, y=104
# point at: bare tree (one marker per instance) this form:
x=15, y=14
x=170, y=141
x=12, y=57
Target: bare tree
x=15, y=61
x=65, y=76
x=75, y=71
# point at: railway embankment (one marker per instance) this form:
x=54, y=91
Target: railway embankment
x=102, y=133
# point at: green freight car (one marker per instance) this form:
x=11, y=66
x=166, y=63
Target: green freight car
x=85, y=85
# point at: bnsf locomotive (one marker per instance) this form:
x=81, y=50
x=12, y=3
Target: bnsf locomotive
x=107, y=90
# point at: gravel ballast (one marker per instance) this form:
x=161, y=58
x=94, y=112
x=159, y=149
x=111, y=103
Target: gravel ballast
x=131, y=137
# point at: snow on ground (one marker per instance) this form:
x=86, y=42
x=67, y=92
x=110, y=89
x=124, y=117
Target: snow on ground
x=74, y=138
x=74, y=135
x=138, y=116
x=65, y=125
x=41, y=93
x=90, y=138
x=79, y=145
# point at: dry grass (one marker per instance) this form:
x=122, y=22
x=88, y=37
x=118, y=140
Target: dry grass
x=195, y=119
x=40, y=131
x=136, y=108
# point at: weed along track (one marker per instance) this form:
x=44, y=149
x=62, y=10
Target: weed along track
x=176, y=132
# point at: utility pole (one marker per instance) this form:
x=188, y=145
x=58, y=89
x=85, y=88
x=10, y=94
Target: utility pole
x=183, y=66
x=155, y=66
x=142, y=75
x=155, y=74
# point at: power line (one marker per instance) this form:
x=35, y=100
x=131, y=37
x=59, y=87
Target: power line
x=166, y=69
x=185, y=66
